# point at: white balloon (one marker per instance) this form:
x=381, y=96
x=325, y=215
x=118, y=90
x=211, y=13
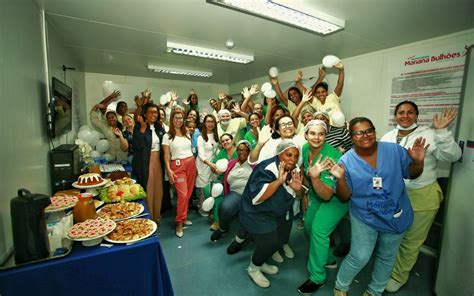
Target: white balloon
x=208, y=204
x=270, y=94
x=94, y=138
x=273, y=72
x=107, y=88
x=102, y=146
x=330, y=61
x=338, y=119
x=266, y=87
x=108, y=157
x=217, y=189
x=84, y=135
x=168, y=96
x=84, y=128
x=222, y=164
x=163, y=100
x=96, y=154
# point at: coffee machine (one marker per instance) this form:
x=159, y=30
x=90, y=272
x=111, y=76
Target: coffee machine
x=30, y=237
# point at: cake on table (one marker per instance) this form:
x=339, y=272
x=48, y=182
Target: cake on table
x=89, y=179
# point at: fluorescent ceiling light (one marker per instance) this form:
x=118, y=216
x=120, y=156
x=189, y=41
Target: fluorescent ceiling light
x=210, y=53
x=178, y=71
x=288, y=13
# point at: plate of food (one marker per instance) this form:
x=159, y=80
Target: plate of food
x=91, y=231
x=117, y=193
x=121, y=210
x=61, y=202
x=133, y=230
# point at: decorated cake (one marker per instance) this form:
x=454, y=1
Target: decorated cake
x=89, y=179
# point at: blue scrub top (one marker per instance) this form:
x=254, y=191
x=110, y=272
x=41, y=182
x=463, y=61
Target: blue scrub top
x=386, y=209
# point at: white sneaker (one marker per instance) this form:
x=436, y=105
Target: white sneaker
x=203, y=213
x=392, y=286
x=269, y=269
x=339, y=292
x=188, y=222
x=257, y=276
x=277, y=257
x=288, y=251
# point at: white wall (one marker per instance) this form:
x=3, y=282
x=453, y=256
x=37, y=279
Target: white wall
x=58, y=56
x=24, y=153
x=456, y=262
x=24, y=149
x=131, y=86
x=368, y=80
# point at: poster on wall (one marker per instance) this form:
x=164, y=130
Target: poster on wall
x=432, y=78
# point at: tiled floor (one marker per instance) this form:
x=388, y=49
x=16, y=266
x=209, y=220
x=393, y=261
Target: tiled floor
x=200, y=267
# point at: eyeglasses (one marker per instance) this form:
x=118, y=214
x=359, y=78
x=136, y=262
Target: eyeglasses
x=367, y=132
x=286, y=124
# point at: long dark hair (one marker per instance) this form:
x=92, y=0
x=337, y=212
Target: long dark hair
x=204, y=131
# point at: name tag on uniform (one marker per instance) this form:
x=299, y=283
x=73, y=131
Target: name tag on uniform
x=377, y=182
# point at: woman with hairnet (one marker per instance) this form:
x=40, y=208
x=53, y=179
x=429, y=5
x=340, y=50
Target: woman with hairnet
x=266, y=207
x=324, y=209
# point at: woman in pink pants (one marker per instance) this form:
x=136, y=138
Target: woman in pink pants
x=180, y=166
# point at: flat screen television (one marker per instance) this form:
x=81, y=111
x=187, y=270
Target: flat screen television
x=60, y=109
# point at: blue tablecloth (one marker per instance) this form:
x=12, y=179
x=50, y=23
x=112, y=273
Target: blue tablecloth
x=138, y=269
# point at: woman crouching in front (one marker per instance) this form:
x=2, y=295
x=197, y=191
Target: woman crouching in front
x=266, y=207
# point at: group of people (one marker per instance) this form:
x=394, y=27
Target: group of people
x=289, y=155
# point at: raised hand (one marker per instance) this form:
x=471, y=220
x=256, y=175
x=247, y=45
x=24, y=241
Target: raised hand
x=115, y=94
x=222, y=95
x=299, y=76
x=337, y=170
x=264, y=134
x=307, y=96
x=174, y=96
x=418, y=151
x=339, y=66
x=282, y=174
x=246, y=93
x=117, y=132
x=141, y=121
x=319, y=166
x=236, y=108
x=322, y=73
x=274, y=80
x=254, y=90
x=448, y=115
x=296, y=181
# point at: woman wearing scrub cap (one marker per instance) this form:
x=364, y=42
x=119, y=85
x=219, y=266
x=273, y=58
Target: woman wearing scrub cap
x=266, y=207
x=324, y=209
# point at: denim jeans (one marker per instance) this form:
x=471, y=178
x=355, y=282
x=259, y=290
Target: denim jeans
x=364, y=239
x=228, y=209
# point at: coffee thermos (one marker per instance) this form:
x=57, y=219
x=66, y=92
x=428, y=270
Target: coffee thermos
x=30, y=237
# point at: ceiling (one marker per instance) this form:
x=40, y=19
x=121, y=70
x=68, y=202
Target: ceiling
x=123, y=36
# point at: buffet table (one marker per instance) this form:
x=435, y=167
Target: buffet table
x=136, y=269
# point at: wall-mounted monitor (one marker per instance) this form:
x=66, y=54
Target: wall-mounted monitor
x=60, y=108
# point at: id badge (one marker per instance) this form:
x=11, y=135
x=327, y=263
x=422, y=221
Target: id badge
x=178, y=163
x=377, y=182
